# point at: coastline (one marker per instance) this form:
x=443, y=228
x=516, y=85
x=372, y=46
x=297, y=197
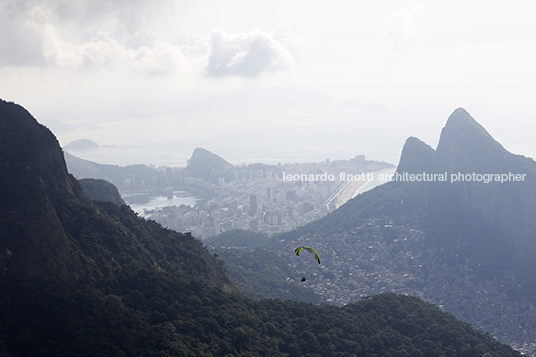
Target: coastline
x=349, y=190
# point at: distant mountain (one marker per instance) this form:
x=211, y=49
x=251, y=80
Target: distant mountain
x=375, y=108
x=81, y=144
x=466, y=148
x=417, y=157
x=81, y=169
x=483, y=178
x=208, y=166
x=48, y=223
x=481, y=232
x=86, y=278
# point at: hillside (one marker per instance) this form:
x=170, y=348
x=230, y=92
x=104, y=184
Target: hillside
x=89, y=278
x=208, y=166
x=101, y=190
x=465, y=148
x=261, y=274
x=467, y=246
x=81, y=169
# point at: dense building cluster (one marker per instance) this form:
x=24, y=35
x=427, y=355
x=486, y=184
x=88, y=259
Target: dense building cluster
x=381, y=256
x=260, y=200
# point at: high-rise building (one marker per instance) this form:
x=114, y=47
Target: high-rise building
x=253, y=204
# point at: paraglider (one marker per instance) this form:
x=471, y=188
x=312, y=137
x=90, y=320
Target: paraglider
x=312, y=250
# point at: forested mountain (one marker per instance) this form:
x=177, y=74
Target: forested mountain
x=462, y=238
x=101, y=190
x=91, y=278
x=261, y=274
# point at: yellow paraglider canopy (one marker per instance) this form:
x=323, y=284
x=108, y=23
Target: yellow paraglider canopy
x=310, y=249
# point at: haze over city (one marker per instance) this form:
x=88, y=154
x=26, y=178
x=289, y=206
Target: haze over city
x=290, y=81
x=197, y=147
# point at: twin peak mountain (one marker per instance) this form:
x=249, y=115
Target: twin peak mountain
x=473, y=161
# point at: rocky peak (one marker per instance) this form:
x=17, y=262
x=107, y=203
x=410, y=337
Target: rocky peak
x=207, y=165
x=466, y=146
x=416, y=157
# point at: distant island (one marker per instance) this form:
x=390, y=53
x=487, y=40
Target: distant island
x=81, y=144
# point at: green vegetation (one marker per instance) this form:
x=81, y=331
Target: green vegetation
x=260, y=274
x=101, y=190
x=241, y=238
x=392, y=199
x=144, y=313
x=91, y=278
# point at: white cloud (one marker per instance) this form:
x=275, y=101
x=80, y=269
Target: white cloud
x=145, y=38
x=111, y=37
x=133, y=15
x=20, y=44
x=247, y=54
x=161, y=59
x=399, y=28
x=37, y=41
x=193, y=45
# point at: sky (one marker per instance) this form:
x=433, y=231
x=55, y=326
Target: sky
x=268, y=81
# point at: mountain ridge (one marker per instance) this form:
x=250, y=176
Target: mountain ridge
x=51, y=221
x=482, y=234
x=119, y=285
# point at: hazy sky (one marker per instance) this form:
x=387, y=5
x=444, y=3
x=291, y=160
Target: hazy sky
x=285, y=80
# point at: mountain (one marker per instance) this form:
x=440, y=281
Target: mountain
x=469, y=157
x=261, y=274
x=49, y=224
x=463, y=242
x=417, y=157
x=208, y=166
x=466, y=148
x=101, y=190
x=82, y=169
x=82, y=277
x=82, y=144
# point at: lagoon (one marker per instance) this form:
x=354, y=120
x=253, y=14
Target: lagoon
x=141, y=202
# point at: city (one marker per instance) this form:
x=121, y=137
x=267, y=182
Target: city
x=382, y=256
x=259, y=199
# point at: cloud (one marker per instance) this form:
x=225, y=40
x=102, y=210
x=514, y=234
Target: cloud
x=193, y=45
x=399, y=28
x=146, y=38
x=30, y=35
x=33, y=32
x=31, y=39
x=20, y=44
x=131, y=15
x=246, y=55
